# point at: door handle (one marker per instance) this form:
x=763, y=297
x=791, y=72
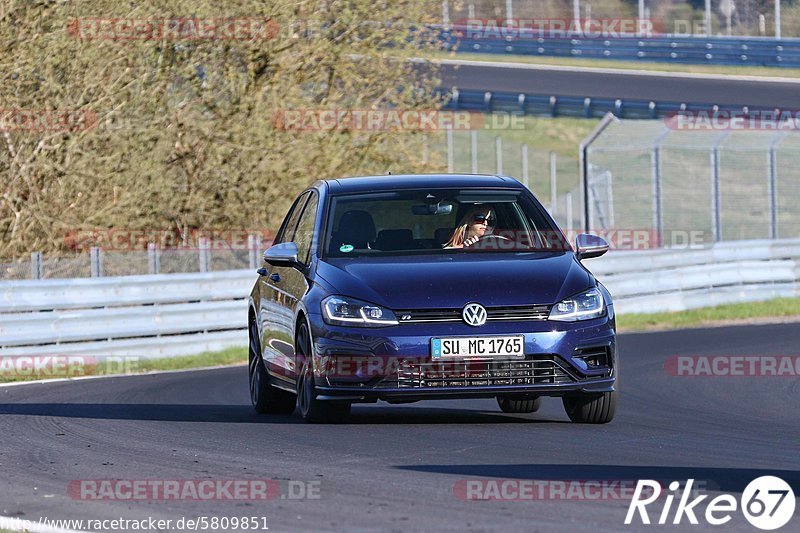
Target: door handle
x=275, y=277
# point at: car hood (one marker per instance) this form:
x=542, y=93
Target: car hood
x=451, y=281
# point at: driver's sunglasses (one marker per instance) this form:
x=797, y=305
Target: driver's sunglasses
x=480, y=219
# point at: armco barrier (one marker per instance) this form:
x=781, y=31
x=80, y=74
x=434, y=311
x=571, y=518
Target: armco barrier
x=180, y=314
x=753, y=51
x=573, y=106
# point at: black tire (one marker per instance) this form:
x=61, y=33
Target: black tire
x=266, y=398
x=510, y=405
x=312, y=410
x=591, y=408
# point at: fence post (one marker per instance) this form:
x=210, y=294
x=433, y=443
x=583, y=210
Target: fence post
x=498, y=155
x=772, y=165
x=583, y=154
x=568, y=200
x=36, y=265
x=254, y=247
x=553, y=182
x=425, y=155
x=153, y=258
x=715, y=196
x=96, y=260
x=203, y=255
x=525, y=169
x=450, y=156
x=658, y=220
x=473, y=138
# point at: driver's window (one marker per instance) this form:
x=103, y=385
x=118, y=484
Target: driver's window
x=286, y=233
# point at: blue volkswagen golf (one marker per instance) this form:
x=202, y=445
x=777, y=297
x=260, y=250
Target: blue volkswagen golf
x=424, y=287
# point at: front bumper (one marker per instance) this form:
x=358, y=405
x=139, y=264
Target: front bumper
x=394, y=363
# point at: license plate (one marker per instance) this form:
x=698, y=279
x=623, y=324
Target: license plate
x=512, y=346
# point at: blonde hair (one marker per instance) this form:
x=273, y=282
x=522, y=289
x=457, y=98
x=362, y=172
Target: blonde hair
x=460, y=233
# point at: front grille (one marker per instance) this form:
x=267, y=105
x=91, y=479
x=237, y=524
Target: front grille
x=518, y=312
x=541, y=370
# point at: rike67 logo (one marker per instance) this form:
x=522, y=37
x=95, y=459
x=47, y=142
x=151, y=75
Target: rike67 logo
x=767, y=503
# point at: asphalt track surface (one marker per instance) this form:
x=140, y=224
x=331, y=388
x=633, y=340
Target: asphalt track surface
x=658, y=88
x=395, y=467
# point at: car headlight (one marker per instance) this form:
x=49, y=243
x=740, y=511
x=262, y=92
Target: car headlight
x=342, y=311
x=584, y=306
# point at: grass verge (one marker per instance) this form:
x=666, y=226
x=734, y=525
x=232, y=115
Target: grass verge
x=622, y=65
x=101, y=366
x=743, y=313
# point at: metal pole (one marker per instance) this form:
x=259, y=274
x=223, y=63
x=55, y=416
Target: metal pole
x=715, y=195
x=498, y=155
x=777, y=19
x=450, y=156
x=96, y=260
x=708, y=18
x=473, y=138
x=658, y=224
x=425, y=149
x=772, y=165
x=445, y=15
x=576, y=15
x=252, y=251
x=569, y=212
x=658, y=189
x=509, y=9
x=203, y=255
x=36, y=265
x=525, y=170
x=641, y=18
x=583, y=155
x=153, y=258
x=553, y=183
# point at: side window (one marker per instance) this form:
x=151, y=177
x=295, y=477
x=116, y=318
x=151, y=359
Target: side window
x=304, y=236
x=286, y=232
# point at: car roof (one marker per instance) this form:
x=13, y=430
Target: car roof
x=417, y=181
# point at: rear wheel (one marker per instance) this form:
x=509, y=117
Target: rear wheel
x=591, y=408
x=511, y=405
x=311, y=409
x=265, y=397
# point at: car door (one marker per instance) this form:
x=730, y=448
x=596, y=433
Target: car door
x=275, y=303
x=288, y=285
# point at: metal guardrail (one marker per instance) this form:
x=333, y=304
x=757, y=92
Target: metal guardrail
x=181, y=314
x=550, y=105
x=752, y=51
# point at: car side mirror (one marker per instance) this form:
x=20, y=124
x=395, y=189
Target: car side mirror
x=589, y=246
x=283, y=254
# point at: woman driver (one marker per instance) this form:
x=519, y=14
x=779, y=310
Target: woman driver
x=473, y=226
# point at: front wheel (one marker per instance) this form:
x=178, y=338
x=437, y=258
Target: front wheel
x=509, y=405
x=585, y=408
x=311, y=409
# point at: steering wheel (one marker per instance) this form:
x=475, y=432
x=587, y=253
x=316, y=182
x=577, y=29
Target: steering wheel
x=487, y=240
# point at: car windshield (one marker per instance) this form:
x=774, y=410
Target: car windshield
x=438, y=222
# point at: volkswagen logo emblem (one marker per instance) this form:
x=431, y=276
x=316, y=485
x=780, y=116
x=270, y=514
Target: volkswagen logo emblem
x=474, y=314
